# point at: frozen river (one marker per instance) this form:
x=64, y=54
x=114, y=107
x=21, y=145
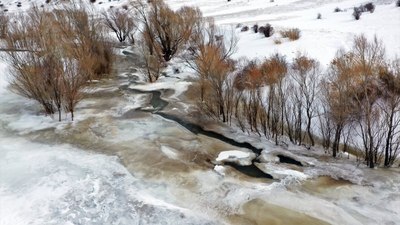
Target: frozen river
x=117, y=164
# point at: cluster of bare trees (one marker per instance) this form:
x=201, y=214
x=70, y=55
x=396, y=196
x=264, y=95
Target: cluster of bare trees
x=363, y=97
x=163, y=32
x=53, y=55
x=356, y=103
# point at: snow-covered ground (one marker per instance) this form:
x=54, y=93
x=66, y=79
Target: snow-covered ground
x=320, y=38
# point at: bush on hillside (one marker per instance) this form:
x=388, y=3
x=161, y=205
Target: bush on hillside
x=292, y=34
x=268, y=30
x=255, y=28
x=357, y=13
x=337, y=9
x=370, y=7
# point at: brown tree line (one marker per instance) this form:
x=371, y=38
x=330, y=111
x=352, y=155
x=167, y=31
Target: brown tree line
x=357, y=103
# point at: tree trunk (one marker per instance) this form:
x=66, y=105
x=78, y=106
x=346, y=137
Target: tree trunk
x=309, y=120
x=336, y=142
x=388, y=140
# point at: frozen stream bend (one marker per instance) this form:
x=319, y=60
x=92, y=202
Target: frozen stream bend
x=115, y=166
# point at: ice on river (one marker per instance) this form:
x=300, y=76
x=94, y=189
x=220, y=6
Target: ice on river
x=40, y=184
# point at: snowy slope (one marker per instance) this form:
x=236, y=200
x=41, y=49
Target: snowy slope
x=320, y=38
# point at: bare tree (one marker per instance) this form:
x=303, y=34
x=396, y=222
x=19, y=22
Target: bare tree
x=210, y=50
x=153, y=65
x=305, y=72
x=357, y=85
x=166, y=31
x=122, y=22
x=391, y=111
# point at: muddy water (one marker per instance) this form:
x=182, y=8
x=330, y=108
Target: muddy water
x=258, y=212
x=324, y=184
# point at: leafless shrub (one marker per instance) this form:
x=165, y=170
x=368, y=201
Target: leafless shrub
x=337, y=9
x=244, y=29
x=277, y=41
x=153, y=64
x=53, y=68
x=255, y=28
x=293, y=34
x=370, y=7
x=212, y=63
x=266, y=30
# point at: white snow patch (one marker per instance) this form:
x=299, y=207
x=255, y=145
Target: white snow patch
x=243, y=158
x=279, y=172
x=178, y=86
x=3, y=77
x=220, y=169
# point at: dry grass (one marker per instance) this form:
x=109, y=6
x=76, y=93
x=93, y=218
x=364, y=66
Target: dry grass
x=278, y=41
x=292, y=33
x=3, y=24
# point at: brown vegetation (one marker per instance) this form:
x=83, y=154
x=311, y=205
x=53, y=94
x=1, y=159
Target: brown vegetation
x=4, y=20
x=52, y=69
x=293, y=34
x=273, y=98
x=166, y=31
x=363, y=95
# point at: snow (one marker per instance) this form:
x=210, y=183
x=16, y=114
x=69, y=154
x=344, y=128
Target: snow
x=239, y=157
x=220, y=169
x=232, y=154
x=178, y=86
x=320, y=39
x=3, y=77
x=279, y=172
